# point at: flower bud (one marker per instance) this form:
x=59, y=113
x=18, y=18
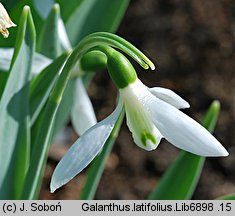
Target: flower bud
x=93, y=61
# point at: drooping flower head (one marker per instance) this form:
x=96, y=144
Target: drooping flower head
x=5, y=21
x=152, y=114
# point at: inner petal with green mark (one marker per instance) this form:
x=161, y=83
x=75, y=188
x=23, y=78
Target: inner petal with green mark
x=148, y=138
x=144, y=132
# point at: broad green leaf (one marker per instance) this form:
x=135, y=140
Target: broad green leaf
x=49, y=42
x=3, y=80
x=9, y=3
x=68, y=9
x=39, y=152
x=14, y=112
x=50, y=33
x=181, y=178
x=39, y=61
x=41, y=86
x=227, y=197
x=43, y=136
x=98, y=165
x=95, y=15
x=64, y=110
x=43, y=7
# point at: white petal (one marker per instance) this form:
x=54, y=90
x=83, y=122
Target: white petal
x=144, y=132
x=170, y=97
x=182, y=131
x=64, y=40
x=82, y=114
x=84, y=150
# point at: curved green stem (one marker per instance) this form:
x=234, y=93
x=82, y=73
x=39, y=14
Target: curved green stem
x=109, y=39
x=90, y=42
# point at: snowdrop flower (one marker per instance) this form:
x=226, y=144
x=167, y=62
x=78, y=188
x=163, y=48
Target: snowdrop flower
x=5, y=22
x=152, y=113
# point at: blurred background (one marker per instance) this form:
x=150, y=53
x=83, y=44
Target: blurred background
x=192, y=44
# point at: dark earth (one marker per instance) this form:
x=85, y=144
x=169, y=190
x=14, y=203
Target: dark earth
x=192, y=43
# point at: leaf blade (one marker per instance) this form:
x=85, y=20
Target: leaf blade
x=15, y=143
x=43, y=7
x=227, y=197
x=95, y=15
x=49, y=42
x=41, y=85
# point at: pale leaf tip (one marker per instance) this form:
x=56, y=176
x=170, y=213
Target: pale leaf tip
x=149, y=64
x=216, y=104
x=56, y=7
x=26, y=8
x=152, y=66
